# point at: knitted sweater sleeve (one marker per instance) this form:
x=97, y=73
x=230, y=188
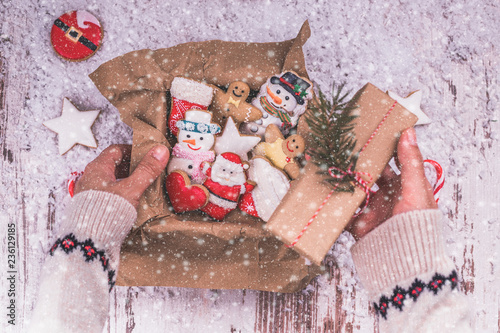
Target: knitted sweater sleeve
x=80, y=269
x=412, y=283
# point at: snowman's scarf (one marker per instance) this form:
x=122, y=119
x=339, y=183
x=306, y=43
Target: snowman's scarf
x=279, y=113
x=197, y=157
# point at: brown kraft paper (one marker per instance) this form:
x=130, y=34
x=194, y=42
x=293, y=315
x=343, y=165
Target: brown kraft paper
x=309, y=191
x=188, y=250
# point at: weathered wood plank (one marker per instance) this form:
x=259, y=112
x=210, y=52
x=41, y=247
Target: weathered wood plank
x=476, y=202
x=485, y=202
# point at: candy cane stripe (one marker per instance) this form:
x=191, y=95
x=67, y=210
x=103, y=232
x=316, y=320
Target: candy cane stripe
x=440, y=178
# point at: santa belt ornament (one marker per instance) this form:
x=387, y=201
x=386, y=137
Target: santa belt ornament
x=75, y=35
x=285, y=119
x=223, y=202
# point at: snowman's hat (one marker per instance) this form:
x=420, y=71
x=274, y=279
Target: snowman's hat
x=294, y=84
x=198, y=121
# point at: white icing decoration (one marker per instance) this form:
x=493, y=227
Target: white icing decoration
x=180, y=125
x=202, y=128
x=73, y=127
x=83, y=16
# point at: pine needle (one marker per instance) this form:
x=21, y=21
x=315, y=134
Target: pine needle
x=332, y=138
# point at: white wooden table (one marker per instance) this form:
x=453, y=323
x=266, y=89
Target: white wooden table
x=449, y=51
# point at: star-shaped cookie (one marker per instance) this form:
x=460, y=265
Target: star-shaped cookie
x=73, y=127
x=232, y=141
x=412, y=104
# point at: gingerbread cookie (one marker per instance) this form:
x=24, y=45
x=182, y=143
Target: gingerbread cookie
x=76, y=35
x=233, y=104
x=280, y=151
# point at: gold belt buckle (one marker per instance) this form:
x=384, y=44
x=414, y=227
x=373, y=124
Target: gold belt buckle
x=73, y=34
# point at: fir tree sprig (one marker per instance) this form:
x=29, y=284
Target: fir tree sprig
x=332, y=139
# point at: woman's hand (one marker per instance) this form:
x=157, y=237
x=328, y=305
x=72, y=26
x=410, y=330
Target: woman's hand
x=397, y=194
x=113, y=163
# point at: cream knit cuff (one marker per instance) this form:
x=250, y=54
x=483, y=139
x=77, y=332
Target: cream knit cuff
x=104, y=217
x=404, y=247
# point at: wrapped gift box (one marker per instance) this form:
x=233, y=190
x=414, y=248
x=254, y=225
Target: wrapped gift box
x=378, y=126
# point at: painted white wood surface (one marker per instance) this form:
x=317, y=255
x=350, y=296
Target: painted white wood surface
x=335, y=302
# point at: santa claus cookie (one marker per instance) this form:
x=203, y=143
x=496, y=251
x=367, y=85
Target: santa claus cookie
x=233, y=104
x=226, y=181
x=195, y=140
x=280, y=151
x=76, y=35
x=282, y=100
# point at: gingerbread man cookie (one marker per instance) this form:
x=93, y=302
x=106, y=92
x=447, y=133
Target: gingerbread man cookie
x=233, y=104
x=280, y=151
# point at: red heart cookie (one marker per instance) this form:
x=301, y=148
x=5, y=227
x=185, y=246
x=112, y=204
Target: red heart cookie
x=184, y=196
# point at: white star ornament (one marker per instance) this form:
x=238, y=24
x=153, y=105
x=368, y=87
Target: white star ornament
x=73, y=127
x=412, y=104
x=232, y=141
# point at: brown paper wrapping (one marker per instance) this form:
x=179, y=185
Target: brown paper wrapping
x=308, y=192
x=165, y=249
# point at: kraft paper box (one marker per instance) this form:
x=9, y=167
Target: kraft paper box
x=309, y=191
x=186, y=250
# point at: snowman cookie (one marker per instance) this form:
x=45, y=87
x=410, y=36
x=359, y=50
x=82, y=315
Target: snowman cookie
x=76, y=35
x=195, y=139
x=280, y=151
x=233, y=104
x=282, y=100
